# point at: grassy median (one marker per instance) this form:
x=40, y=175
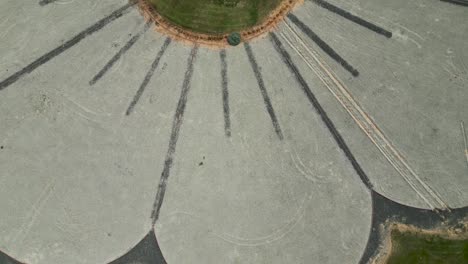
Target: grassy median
x=420, y=248
x=215, y=16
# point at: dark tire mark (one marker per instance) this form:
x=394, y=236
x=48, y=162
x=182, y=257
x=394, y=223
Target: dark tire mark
x=65, y=46
x=119, y=54
x=261, y=85
x=353, y=18
x=323, y=45
x=46, y=2
x=318, y=107
x=224, y=85
x=177, y=123
x=456, y=2
x=148, y=76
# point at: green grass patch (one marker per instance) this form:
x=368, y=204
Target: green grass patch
x=215, y=16
x=420, y=248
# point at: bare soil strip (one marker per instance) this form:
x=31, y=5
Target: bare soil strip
x=178, y=33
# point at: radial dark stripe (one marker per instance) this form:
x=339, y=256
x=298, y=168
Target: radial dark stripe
x=320, y=110
x=118, y=55
x=46, y=2
x=148, y=76
x=225, y=91
x=353, y=18
x=263, y=90
x=323, y=45
x=65, y=46
x=456, y=2
x=176, y=125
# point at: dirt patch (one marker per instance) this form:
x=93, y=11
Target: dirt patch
x=178, y=33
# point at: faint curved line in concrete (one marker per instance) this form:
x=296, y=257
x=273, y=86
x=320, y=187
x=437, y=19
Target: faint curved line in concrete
x=277, y=234
x=362, y=119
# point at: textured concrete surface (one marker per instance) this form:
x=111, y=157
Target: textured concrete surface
x=79, y=172
x=413, y=86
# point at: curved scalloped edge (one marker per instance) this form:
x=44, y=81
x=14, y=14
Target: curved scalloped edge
x=147, y=251
x=183, y=35
x=386, y=211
